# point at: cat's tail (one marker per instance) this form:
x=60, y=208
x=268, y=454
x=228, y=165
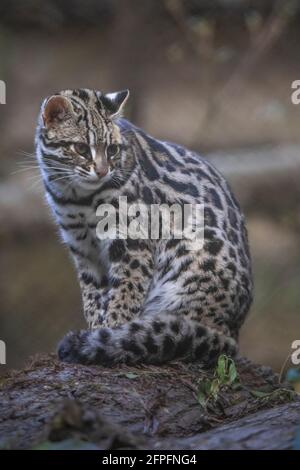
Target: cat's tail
x=148, y=341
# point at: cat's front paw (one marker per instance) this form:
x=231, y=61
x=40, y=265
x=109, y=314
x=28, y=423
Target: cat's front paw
x=72, y=347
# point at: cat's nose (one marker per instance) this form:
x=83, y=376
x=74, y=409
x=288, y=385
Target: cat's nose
x=100, y=164
x=101, y=170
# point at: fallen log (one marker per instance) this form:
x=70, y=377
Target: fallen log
x=54, y=405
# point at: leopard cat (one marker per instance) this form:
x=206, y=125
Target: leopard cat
x=145, y=301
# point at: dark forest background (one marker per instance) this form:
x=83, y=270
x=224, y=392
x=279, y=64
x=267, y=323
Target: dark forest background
x=212, y=75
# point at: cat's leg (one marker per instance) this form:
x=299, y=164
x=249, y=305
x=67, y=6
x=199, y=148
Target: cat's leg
x=94, y=295
x=129, y=276
x=115, y=297
x=93, y=286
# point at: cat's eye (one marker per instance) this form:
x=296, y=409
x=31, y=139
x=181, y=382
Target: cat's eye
x=82, y=149
x=112, y=150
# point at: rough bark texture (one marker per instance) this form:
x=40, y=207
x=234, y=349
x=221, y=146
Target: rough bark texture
x=55, y=405
x=271, y=429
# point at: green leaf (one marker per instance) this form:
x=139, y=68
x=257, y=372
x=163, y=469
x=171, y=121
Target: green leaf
x=215, y=387
x=131, y=375
x=221, y=367
x=201, y=399
x=259, y=393
x=232, y=372
x=204, y=392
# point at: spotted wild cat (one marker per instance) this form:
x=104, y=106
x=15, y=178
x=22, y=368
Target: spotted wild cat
x=145, y=301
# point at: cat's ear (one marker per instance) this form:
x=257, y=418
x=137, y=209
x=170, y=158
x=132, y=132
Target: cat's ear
x=56, y=108
x=114, y=102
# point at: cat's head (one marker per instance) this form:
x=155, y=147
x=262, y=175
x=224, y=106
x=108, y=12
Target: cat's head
x=77, y=136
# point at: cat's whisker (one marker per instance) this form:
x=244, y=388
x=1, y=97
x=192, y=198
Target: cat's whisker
x=84, y=174
x=35, y=182
x=35, y=176
x=26, y=154
x=21, y=170
x=37, y=179
x=56, y=164
x=27, y=162
x=59, y=178
x=37, y=167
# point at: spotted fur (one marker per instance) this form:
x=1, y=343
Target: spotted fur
x=146, y=301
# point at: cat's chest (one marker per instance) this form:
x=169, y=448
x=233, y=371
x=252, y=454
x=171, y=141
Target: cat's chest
x=79, y=228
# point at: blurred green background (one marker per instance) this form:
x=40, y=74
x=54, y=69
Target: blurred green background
x=212, y=75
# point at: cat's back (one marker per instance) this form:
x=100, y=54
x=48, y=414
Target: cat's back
x=179, y=170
